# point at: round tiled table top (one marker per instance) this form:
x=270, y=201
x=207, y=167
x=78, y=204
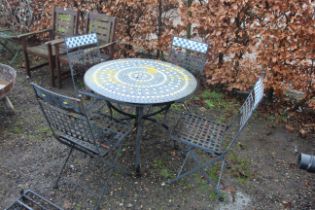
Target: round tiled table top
x=140, y=81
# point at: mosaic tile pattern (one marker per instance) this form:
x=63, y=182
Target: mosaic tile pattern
x=140, y=81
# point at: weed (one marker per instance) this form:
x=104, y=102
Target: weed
x=240, y=168
x=44, y=130
x=178, y=107
x=162, y=169
x=214, y=99
x=17, y=129
x=213, y=172
x=164, y=172
x=158, y=164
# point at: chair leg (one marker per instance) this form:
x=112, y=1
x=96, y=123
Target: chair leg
x=27, y=61
x=204, y=174
x=200, y=166
x=105, y=187
x=220, y=176
x=98, y=203
x=63, y=167
x=58, y=70
x=51, y=63
x=179, y=172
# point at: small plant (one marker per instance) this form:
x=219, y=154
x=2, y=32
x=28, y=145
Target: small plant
x=240, y=168
x=17, y=130
x=213, y=99
x=213, y=172
x=177, y=107
x=163, y=171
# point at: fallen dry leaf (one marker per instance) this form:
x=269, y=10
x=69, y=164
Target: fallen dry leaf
x=289, y=128
x=303, y=133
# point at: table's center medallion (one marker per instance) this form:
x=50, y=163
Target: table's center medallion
x=140, y=76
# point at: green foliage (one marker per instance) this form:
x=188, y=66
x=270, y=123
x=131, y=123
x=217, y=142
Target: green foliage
x=240, y=168
x=162, y=170
x=177, y=107
x=17, y=129
x=213, y=172
x=214, y=100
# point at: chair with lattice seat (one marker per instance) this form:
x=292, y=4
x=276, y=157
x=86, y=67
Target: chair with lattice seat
x=211, y=136
x=82, y=53
x=189, y=54
x=70, y=124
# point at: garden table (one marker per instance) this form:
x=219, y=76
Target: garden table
x=140, y=83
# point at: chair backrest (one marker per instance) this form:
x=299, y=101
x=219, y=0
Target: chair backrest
x=251, y=103
x=189, y=54
x=246, y=111
x=103, y=25
x=82, y=52
x=65, y=22
x=65, y=116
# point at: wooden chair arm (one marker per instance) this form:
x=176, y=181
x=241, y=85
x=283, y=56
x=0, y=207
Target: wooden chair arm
x=26, y=35
x=55, y=41
x=102, y=46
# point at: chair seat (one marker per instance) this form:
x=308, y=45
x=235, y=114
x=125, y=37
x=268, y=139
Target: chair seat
x=42, y=50
x=197, y=131
x=107, y=136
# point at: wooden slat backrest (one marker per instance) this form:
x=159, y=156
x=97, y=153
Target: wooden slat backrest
x=65, y=22
x=103, y=25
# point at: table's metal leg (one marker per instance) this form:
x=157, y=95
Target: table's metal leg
x=139, y=127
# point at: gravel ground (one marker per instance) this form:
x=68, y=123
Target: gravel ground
x=261, y=172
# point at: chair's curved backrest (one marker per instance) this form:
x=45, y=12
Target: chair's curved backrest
x=65, y=22
x=251, y=102
x=103, y=25
x=189, y=54
x=65, y=116
x=82, y=52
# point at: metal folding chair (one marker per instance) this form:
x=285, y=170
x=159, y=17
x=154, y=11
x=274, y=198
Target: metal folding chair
x=189, y=54
x=82, y=53
x=211, y=136
x=71, y=126
x=30, y=200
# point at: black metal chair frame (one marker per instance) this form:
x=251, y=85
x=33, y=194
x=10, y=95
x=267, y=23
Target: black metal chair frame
x=196, y=132
x=71, y=126
x=30, y=200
